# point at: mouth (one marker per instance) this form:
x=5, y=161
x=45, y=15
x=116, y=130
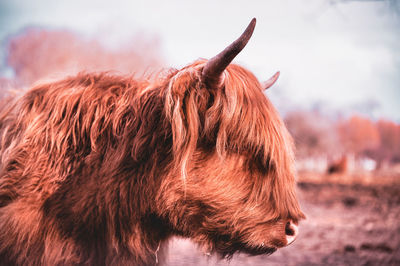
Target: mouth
x=261, y=249
x=227, y=251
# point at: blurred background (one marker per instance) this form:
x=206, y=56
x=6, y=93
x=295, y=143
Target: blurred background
x=339, y=94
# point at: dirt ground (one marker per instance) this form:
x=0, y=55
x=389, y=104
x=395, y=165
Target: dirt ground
x=348, y=223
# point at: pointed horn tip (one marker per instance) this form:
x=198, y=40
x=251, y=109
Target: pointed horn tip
x=251, y=26
x=272, y=80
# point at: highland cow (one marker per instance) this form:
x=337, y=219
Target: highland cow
x=99, y=169
x=339, y=166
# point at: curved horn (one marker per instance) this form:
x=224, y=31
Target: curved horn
x=271, y=81
x=215, y=66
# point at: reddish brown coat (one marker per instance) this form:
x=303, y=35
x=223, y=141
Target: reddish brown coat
x=101, y=170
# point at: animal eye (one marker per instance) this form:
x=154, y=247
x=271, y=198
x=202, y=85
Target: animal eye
x=260, y=164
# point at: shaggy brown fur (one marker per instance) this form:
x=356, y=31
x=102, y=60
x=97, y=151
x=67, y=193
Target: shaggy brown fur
x=101, y=170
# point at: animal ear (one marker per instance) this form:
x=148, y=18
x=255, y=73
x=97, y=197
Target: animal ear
x=211, y=75
x=271, y=81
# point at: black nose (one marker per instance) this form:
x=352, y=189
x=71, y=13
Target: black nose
x=289, y=230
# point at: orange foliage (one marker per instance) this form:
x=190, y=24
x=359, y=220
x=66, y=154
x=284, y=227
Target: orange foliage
x=390, y=140
x=315, y=135
x=41, y=53
x=358, y=134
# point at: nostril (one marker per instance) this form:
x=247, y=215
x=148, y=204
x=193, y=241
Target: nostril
x=289, y=229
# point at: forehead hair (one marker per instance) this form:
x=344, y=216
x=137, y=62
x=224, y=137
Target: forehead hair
x=237, y=115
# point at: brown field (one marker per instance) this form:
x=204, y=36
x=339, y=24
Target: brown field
x=351, y=220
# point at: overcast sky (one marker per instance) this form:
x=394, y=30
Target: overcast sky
x=343, y=54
